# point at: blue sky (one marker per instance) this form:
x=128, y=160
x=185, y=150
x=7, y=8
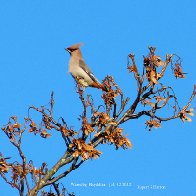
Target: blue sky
x=33, y=62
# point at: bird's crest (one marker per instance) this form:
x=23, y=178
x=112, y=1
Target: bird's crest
x=75, y=46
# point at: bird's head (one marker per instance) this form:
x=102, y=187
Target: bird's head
x=73, y=48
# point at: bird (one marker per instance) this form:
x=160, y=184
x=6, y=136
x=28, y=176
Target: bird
x=80, y=71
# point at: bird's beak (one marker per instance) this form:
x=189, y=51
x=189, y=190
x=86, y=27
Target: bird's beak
x=68, y=50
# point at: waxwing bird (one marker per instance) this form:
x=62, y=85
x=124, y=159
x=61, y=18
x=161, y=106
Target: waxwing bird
x=79, y=70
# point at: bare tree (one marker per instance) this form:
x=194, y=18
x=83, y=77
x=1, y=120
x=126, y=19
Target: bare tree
x=99, y=125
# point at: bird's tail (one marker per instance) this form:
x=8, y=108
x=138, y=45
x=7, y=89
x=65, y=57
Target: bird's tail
x=104, y=88
x=99, y=86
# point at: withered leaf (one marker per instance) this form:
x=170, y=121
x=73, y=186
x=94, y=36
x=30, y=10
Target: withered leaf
x=178, y=71
x=157, y=61
x=45, y=134
x=183, y=115
x=64, y=130
x=4, y=167
x=153, y=123
x=75, y=154
x=16, y=125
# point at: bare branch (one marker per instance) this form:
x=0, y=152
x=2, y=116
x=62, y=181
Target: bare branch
x=73, y=167
x=65, y=159
x=56, y=189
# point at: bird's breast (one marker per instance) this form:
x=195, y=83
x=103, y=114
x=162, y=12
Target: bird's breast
x=79, y=74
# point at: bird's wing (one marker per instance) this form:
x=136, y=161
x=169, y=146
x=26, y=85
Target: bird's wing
x=87, y=70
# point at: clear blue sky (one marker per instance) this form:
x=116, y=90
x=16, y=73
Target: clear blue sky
x=33, y=35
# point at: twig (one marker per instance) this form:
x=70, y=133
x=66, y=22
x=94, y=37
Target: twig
x=73, y=167
x=9, y=182
x=56, y=188
x=65, y=159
